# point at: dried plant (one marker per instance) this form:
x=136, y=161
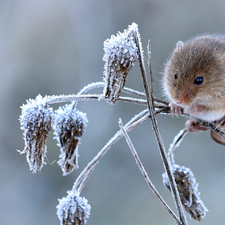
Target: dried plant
x=69, y=128
x=38, y=119
x=73, y=209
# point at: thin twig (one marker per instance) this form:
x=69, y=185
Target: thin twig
x=69, y=98
x=133, y=92
x=150, y=71
x=85, y=174
x=87, y=88
x=176, y=142
x=145, y=175
x=167, y=166
x=101, y=84
x=161, y=101
x=133, y=100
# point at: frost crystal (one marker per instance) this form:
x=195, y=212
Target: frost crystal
x=120, y=55
x=188, y=190
x=73, y=209
x=36, y=121
x=69, y=127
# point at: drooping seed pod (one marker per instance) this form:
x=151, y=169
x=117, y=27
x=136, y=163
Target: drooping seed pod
x=36, y=121
x=120, y=55
x=73, y=209
x=69, y=128
x=188, y=190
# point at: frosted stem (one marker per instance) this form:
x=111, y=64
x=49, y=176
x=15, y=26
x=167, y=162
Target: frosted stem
x=150, y=72
x=176, y=142
x=85, y=174
x=145, y=175
x=87, y=88
x=166, y=163
x=69, y=98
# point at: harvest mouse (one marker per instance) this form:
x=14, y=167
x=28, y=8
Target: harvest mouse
x=194, y=81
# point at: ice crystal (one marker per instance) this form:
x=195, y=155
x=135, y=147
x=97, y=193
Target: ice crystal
x=188, y=190
x=73, y=209
x=36, y=121
x=69, y=127
x=120, y=55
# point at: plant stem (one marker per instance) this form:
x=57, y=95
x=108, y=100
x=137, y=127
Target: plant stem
x=87, y=171
x=85, y=174
x=176, y=142
x=101, y=84
x=166, y=164
x=69, y=98
x=145, y=175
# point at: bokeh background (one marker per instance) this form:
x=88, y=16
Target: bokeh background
x=56, y=47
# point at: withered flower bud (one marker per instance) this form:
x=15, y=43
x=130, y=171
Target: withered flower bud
x=69, y=127
x=188, y=190
x=36, y=121
x=73, y=209
x=120, y=55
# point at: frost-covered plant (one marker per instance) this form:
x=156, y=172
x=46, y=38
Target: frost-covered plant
x=73, y=209
x=120, y=55
x=69, y=128
x=188, y=190
x=37, y=120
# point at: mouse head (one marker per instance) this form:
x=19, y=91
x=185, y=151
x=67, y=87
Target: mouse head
x=195, y=72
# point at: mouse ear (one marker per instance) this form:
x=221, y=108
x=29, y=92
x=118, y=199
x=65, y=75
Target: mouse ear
x=179, y=44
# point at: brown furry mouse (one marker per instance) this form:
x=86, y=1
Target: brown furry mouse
x=194, y=81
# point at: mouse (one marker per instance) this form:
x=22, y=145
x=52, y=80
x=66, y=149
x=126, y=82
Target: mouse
x=194, y=81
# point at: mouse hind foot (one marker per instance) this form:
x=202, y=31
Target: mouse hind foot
x=194, y=127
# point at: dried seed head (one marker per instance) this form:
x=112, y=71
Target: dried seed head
x=36, y=121
x=73, y=209
x=120, y=55
x=188, y=190
x=69, y=127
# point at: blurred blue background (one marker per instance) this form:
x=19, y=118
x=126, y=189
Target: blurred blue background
x=56, y=47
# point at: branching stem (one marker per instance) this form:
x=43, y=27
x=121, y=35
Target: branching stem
x=145, y=175
x=149, y=97
x=84, y=175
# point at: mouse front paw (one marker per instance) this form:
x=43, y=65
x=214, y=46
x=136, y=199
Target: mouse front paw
x=175, y=109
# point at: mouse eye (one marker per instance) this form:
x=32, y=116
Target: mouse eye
x=175, y=76
x=198, y=80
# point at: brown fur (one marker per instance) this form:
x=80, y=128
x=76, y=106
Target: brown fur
x=202, y=55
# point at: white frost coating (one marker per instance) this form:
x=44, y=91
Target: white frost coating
x=68, y=129
x=178, y=139
x=188, y=190
x=36, y=121
x=73, y=209
x=120, y=55
x=176, y=143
